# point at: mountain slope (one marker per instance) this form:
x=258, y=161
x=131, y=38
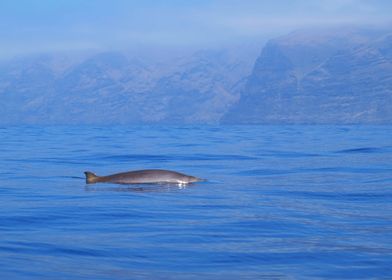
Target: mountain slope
x=117, y=88
x=344, y=76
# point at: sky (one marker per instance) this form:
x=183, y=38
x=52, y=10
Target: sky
x=28, y=26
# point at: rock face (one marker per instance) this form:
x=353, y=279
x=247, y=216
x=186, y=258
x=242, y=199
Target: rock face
x=117, y=88
x=313, y=77
x=323, y=77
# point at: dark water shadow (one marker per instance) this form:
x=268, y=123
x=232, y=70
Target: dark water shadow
x=365, y=150
x=73, y=177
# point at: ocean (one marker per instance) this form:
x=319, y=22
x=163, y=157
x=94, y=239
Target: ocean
x=281, y=202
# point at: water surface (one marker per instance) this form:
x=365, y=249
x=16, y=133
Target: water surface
x=282, y=202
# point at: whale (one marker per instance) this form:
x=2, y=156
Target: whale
x=146, y=176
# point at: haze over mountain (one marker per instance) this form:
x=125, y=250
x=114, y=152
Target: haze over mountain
x=320, y=76
x=310, y=76
x=117, y=87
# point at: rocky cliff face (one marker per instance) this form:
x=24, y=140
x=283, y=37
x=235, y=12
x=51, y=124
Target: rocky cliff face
x=114, y=87
x=340, y=76
x=313, y=77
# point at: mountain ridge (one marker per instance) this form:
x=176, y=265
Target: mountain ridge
x=329, y=76
x=336, y=83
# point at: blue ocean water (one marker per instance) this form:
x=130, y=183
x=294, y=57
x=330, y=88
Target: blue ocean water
x=281, y=202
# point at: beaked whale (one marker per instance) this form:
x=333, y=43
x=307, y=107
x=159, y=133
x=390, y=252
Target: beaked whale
x=148, y=176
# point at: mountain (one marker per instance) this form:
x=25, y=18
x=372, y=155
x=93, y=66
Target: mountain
x=319, y=77
x=119, y=88
x=200, y=90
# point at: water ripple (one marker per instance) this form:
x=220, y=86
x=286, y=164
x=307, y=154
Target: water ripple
x=281, y=202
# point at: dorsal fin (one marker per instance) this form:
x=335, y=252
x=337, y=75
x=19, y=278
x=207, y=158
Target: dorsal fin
x=91, y=178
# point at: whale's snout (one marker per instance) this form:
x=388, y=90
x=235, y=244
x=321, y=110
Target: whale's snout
x=193, y=179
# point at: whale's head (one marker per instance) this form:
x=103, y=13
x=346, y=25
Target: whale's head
x=193, y=179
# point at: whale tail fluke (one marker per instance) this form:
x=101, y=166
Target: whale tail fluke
x=91, y=178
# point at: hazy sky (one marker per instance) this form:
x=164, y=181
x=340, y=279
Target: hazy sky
x=52, y=25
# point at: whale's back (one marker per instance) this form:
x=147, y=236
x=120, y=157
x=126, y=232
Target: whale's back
x=143, y=177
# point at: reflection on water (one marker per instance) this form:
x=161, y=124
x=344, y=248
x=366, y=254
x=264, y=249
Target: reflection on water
x=164, y=187
x=281, y=202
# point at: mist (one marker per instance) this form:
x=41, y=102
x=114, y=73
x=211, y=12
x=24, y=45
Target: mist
x=51, y=26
